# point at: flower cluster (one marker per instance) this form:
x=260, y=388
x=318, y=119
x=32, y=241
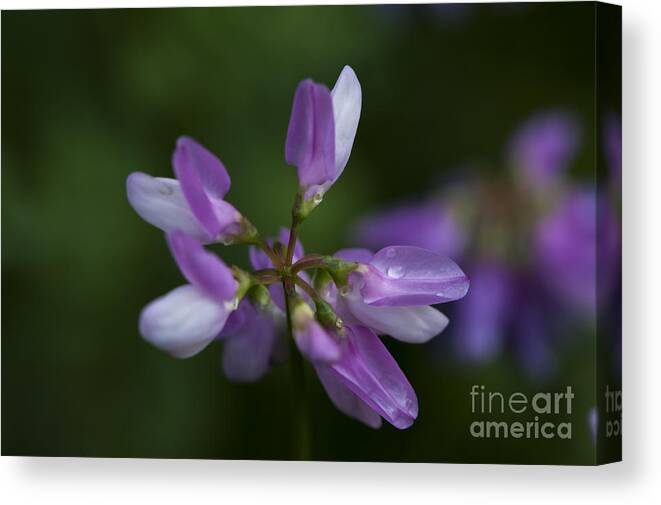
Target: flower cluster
x=329, y=309
x=535, y=240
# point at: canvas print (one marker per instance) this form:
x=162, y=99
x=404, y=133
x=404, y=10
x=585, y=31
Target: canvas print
x=349, y=233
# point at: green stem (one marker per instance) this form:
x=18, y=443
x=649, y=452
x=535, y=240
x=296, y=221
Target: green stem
x=307, y=262
x=292, y=240
x=263, y=245
x=307, y=288
x=299, y=396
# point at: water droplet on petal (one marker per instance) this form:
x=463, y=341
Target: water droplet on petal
x=395, y=272
x=318, y=197
x=390, y=253
x=165, y=190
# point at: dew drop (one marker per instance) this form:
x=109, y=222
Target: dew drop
x=395, y=272
x=318, y=197
x=391, y=253
x=165, y=190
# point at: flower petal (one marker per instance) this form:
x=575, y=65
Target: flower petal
x=203, y=269
x=160, y=202
x=543, y=148
x=182, y=322
x=345, y=400
x=211, y=171
x=317, y=344
x=198, y=173
x=310, y=144
x=401, y=276
x=565, y=245
x=368, y=369
x=414, y=325
x=248, y=348
x=347, y=102
x=482, y=318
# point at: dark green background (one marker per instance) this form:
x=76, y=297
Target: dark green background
x=90, y=96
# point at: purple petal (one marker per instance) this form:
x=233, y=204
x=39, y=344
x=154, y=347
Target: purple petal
x=310, y=142
x=317, y=344
x=565, y=248
x=258, y=259
x=248, y=347
x=427, y=225
x=347, y=102
x=346, y=400
x=160, y=202
x=211, y=171
x=182, y=322
x=483, y=314
x=201, y=179
x=544, y=147
x=401, y=276
x=356, y=255
x=409, y=324
x=203, y=269
x=368, y=369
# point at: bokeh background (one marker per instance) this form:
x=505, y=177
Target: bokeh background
x=90, y=96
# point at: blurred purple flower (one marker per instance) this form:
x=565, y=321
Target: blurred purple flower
x=427, y=225
x=565, y=249
x=482, y=318
x=542, y=149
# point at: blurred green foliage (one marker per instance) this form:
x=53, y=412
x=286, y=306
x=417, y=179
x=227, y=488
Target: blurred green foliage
x=90, y=96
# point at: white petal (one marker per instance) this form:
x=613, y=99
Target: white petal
x=182, y=322
x=160, y=202
x=347, y=102
x=414, y=325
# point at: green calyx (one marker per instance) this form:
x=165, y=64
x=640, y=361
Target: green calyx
x=339, y=269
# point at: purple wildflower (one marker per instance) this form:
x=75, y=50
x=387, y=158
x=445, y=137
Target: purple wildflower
x=542, y=149
x=333, y=324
